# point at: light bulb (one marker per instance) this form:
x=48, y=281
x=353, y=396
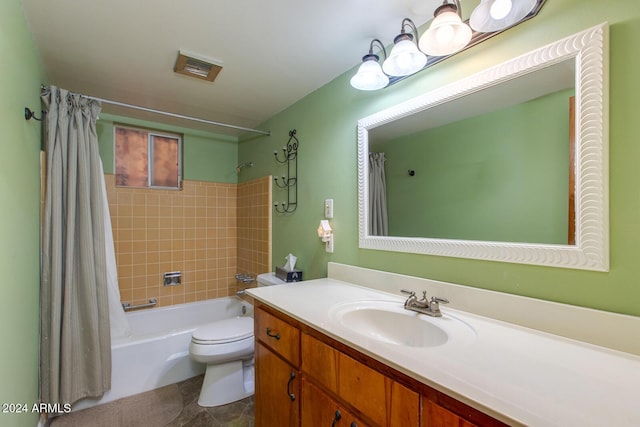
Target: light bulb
x=500, y=9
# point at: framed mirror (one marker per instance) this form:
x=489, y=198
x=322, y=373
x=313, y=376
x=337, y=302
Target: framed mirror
x=509, y=164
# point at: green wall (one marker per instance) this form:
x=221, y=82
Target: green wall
x=499, y=176
x=326, y=125
x=21, y=74
x=206, y=156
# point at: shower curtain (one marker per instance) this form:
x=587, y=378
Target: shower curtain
x=378, y=220
x=75, y=341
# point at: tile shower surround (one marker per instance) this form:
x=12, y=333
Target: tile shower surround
x=209, y=231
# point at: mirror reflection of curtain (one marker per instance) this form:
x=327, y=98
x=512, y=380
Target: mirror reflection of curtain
x=75, y=342
x=378, y=220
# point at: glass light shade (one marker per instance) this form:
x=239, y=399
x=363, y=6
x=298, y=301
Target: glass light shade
x=405, y=59
x=446, y=35
x=496, y=15
x=369, y=75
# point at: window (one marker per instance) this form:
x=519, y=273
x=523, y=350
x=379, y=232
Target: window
x=147, y=158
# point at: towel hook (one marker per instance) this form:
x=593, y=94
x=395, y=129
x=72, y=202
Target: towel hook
x=28, y=114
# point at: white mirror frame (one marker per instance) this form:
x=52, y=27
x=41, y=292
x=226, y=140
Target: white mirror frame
x=591, y=251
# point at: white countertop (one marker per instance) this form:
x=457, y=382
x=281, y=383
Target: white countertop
x=515, y=374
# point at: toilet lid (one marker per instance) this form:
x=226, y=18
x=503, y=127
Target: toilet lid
x=226, y=330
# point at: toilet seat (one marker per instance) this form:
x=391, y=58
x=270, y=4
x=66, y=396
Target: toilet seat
x=224, y=331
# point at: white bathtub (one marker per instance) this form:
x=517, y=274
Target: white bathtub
x=157, y=352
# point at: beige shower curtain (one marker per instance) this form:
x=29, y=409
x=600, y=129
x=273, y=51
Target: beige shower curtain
x=75, y=343
x=378, y=217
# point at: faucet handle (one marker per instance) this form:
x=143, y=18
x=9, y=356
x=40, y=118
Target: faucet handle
x=408, y=292
x=440, y=300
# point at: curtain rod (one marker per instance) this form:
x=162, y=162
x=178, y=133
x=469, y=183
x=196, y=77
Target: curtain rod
x=179, y=116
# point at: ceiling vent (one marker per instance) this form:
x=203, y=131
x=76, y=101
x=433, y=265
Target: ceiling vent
x=197, y=66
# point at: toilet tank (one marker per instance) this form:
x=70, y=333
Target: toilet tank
x=268, y=279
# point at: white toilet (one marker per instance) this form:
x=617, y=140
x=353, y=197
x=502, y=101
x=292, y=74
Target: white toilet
x=226, y=347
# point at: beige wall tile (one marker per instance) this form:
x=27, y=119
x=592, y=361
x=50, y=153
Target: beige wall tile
x=209, y=231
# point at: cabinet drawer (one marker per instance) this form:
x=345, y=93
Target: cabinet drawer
x=320, y=361
x=318, y=409
x=434, y=415
x=440, y=410
x=385, y=401
x=278, y=335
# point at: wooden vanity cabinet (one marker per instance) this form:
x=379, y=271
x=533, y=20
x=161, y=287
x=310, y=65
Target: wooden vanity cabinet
x=335, y=385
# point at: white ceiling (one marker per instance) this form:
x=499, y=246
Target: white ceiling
x=273, y=52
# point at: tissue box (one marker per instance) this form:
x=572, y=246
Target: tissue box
x=288, y=276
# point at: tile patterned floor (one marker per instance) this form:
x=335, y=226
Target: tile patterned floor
x=237, y=414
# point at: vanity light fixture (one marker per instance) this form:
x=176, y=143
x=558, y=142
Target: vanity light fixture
x=326, y=234
x=405, y=57
x=370, y=75
x=447, y=34
x=496, y=15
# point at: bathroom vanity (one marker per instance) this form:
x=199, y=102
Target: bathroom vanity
x=305, y=377
x=330, y=352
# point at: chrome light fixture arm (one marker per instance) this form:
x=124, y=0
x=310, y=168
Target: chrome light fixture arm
x=373, y=43
x=406, y=22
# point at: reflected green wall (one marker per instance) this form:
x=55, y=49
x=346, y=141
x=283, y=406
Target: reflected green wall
x=21, y=74
x=206, y=156
x=500, y=176
x=326, y=125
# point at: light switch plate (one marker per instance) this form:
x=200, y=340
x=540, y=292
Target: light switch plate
x=328, y=208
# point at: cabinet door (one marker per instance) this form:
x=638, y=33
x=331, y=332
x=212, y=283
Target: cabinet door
x=434, y=415
x=319, y=410
x=277, y=393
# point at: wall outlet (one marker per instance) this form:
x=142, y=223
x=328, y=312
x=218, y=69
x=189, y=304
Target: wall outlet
x=329, y=247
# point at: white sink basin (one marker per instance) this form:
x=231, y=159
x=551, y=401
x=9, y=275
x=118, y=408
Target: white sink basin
x=389, y=322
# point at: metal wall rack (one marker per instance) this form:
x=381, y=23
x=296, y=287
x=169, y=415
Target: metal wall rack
x=290, y=181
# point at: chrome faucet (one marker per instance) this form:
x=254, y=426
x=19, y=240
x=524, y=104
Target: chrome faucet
x=429, y=307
